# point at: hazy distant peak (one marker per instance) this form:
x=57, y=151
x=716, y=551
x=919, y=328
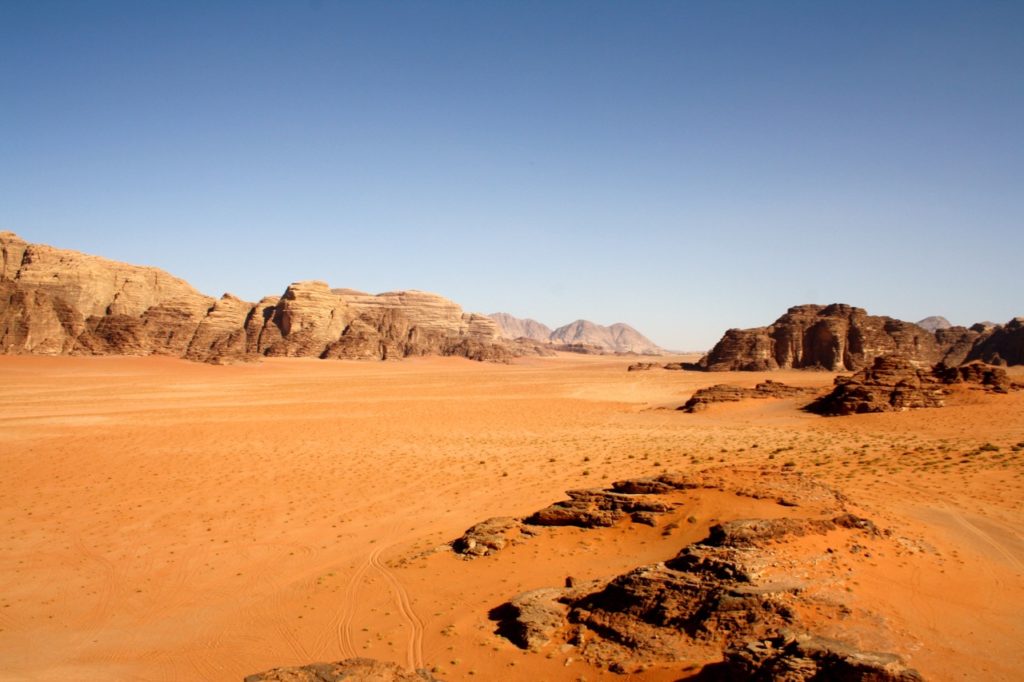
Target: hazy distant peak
x=619, y=337
x=615, y=338
x=934, y=323
x=512, y=327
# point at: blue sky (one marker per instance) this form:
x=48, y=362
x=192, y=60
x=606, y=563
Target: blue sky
x=684, y=167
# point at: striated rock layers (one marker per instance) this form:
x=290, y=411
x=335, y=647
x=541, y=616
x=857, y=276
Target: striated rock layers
x=57, y=302
x=581, y=336
x=840, y=337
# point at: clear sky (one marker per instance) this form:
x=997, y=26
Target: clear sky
x=684, y=167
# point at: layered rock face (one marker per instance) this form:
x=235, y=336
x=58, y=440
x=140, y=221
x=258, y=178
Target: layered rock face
x=54, y=302
x=840, y=337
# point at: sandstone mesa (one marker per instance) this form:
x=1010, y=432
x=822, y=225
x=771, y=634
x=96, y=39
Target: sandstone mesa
x=840, y=337
x=59, y=302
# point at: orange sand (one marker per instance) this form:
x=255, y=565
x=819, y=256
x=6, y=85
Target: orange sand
x=164, y=520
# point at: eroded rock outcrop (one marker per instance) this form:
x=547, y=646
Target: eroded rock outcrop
x=724, y=393
x=840, y=337
x=348, y=670
x=55, y=302
x=738, y=599
x=800, y=657
x=835, y=337
x=895, y=384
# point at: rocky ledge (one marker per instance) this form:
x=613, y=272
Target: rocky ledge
x=719, y=393
x=733, y=600
x=348, y=670
x=895, y=384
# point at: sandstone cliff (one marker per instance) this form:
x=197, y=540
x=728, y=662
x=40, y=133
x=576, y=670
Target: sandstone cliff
x=54, y=302
x=840, y=337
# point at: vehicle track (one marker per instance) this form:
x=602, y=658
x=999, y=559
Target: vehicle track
x=343, y=630
x=414, y=649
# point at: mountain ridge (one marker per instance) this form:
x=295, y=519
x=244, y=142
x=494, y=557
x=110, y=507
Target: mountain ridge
x=61, y=302
x=584, y=334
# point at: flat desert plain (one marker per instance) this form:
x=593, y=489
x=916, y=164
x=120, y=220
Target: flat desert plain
x=165, y=520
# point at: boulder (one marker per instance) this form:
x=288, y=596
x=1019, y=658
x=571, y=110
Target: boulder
x=487, y=537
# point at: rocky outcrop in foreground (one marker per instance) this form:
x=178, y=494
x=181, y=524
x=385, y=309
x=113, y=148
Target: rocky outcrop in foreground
x=733, y=599
x=724, y=393
x=895, y=384
x=348, y=670
x=59, y=302
x=581, y=336
x=839, y=337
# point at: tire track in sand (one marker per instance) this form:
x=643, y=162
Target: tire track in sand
x=977, y=532
x=414, y=649
x=348, y=610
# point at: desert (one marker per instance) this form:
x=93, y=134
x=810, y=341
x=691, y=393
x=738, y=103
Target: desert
x=174, y=520
x=350, y=341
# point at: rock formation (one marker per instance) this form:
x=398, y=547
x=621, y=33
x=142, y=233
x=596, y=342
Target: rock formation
x=839, y=337
x=895, y=384
x=56, y=302
x=348, y=670
x=1000, y=344
x=581, y=336
x=934, y=323
x=723, y=393
x=618, y=338
x=738, y=596
x=511, y=327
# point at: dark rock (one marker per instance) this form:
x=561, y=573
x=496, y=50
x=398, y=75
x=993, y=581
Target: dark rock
x=593, y=508
x=799, y=658
x=835, y=337
x=894, y=384
x=641, y=366
x=719, y=393
x=348, y=670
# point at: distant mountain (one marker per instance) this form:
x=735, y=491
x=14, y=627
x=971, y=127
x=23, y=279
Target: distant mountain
x=580, y=336
x=934, y=323
x=515, y=328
